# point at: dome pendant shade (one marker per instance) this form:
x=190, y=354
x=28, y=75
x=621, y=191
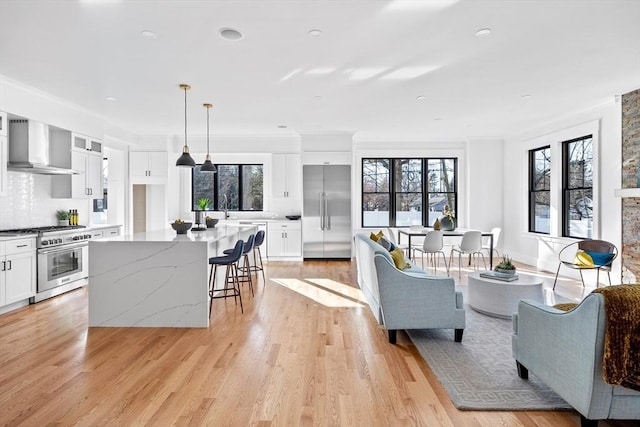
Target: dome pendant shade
x=207, y=166
x=185, y=160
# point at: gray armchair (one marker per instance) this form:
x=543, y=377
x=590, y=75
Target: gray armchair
x=565, y=351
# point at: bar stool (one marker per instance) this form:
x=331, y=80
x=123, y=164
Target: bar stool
x=244, y=274
x=229, y=260
x=256, y=248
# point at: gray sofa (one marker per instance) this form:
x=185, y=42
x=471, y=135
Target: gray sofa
x=564, y=350
x=406, y=299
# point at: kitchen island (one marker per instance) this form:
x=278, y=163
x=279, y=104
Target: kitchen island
x=156, y=278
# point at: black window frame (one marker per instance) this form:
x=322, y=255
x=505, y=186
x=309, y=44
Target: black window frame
x=533, y=192
x=567, y=188
x=214, y=197
x=393, y=193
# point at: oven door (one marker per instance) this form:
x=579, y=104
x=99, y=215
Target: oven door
x=61, y=265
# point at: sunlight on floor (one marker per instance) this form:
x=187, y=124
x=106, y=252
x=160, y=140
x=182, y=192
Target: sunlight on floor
x=324, y=291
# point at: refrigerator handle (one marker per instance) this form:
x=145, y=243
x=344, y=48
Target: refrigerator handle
x=327, y=224
x=321, y=210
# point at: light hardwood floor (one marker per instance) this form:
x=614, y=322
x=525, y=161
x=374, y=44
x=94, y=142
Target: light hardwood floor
x=306, y=351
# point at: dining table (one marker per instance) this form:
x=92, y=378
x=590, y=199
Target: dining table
x=458, y=232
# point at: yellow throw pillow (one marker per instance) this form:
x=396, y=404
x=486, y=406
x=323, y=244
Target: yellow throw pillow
x=583, y=259
x=398, y=259
x=375, y=237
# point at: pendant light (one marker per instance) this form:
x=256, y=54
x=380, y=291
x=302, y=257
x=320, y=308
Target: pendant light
x=185, y=160
x=207, y=166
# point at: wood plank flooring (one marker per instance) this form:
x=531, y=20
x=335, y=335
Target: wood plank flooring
x=306, y=352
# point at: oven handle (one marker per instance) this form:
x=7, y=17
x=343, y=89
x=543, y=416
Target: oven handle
x=64, y=248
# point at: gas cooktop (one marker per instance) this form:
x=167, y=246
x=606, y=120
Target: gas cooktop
x=34, y=230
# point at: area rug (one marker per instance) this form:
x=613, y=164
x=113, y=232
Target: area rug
x=479, y=373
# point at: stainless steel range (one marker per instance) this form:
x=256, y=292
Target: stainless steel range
x=63, y=259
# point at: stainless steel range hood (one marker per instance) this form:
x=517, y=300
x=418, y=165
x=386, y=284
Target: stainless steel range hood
x=29, y=149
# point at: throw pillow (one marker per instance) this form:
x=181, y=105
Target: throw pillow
x=375, y=237
x=600, y=258
x=583, y=259
x=386, y=243
x=398, y=259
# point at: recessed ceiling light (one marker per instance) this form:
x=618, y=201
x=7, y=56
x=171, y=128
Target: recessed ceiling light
x=147, y=34
x=110, y=98
x=438, y=119
x=483, y=32
x=231, y=34
x=317, y=97
x=315, y=33
x=282, y=126
x=526, y=96
x=421, y=98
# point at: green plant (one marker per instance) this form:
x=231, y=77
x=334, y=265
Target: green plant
x=506, y=264
x=203, y=203
x=62, y=215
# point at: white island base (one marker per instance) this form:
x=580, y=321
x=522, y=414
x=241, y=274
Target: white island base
x=155, y=279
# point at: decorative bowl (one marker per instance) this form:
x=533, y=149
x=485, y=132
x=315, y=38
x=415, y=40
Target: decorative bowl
x=212, y=222
x=293, y=217
x=181, y=228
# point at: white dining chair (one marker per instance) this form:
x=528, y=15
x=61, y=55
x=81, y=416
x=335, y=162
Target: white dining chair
x=432, y=245
x=496, y=237
x=470, y=244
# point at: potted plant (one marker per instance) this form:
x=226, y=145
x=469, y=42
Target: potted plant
x=203, y=203
x=506, y=266
x=63, y=217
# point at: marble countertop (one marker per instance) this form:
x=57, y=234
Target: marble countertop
x=13, y=236
x=169, y=235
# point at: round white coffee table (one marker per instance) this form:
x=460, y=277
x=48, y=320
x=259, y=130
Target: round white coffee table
x=499, y=298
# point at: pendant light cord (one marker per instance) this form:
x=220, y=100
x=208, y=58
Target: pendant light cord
x=185, y=116
x=208, y=130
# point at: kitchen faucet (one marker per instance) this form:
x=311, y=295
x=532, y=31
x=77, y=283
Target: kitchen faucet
x=225, y=203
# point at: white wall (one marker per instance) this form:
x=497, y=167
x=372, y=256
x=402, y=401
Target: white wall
x=541, y=250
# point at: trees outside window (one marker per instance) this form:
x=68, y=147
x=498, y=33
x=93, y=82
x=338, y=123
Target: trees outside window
x=540, y=190
x=401, y=192
x=577, y=186
x=241, y=185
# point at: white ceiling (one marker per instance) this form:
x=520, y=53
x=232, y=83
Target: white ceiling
x=568, y=55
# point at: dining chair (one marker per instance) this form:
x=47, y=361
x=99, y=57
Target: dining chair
x=496, y=237
x=471, y=244
x=432, y=245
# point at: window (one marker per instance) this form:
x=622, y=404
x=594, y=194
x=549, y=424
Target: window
x=540, y=190
x=577, y=187
x=239, y=187
x=402, y=192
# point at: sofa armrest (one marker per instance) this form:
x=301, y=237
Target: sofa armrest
x=564, y=350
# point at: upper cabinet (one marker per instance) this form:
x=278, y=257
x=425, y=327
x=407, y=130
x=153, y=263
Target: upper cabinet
x=86, y=143
x=148, y=167
x=286, y=175
x=81, y=153
x=3, y=153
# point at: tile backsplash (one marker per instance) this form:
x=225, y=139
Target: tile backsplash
x=28, y=202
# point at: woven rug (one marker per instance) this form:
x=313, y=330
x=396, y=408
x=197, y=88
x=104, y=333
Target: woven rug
x=480, y=373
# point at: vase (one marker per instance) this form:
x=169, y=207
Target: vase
x=447, y=224
x=437, y=225
x=502, y=270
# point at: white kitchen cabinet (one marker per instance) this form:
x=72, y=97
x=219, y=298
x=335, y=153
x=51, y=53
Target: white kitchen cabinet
x=148, y=167
x=86, y=143
x=3, y=152
x=285, y=239
x=17, y=270
x=286, y=175
x=80, y=153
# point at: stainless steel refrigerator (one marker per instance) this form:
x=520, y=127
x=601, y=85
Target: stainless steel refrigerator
x=327, y=211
